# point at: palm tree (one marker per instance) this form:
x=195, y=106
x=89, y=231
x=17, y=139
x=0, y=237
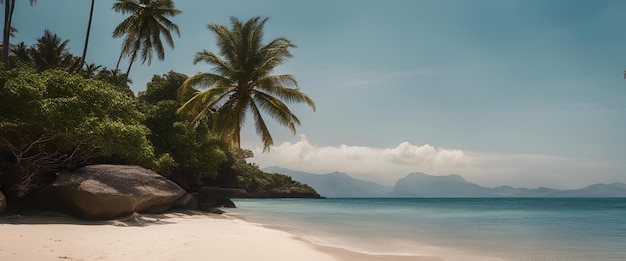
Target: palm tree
x=144, y=27
x=90, y=70
x=114, y=76
x=242, y=82
x=9, y=7
x=82, y=60
x=20, y=52
x=50, y=51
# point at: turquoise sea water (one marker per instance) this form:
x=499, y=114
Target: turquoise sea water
x=484, y=228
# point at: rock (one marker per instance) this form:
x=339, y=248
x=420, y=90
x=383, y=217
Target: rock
x=3, y=202
x=214, y=192
x=211, y=197
x=100, y=192
x=213, y=211
x=187, y=201
x=280, y=194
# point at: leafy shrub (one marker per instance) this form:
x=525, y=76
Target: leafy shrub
x=55, y=121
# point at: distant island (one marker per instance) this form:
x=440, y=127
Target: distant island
x=338, y=184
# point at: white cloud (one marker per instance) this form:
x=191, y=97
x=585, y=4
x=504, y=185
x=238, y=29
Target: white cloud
x=387, y=165
x=384, y=165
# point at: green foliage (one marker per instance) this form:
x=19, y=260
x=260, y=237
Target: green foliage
x=196, y=149
x=165, y=87
x=116, y=78
x=165, y=164
x=55, y=120
x=252, y=179
x=193, y=148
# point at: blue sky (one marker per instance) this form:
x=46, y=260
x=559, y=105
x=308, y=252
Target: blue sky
x=524, y=93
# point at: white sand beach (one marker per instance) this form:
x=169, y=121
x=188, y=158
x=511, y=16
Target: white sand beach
x=174, y=236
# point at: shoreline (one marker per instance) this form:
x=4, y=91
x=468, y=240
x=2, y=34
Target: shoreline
x=171, y=236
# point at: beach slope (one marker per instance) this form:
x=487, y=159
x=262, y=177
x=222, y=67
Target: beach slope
x=175, y=236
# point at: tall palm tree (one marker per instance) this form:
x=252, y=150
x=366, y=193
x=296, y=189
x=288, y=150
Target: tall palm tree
x=242, y=82
x=148, y=20
x=82, y=60
x=50, y=51
x=9, y=7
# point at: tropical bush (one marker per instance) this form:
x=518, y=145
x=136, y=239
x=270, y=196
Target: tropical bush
x=251, y=178
x=193, y=148
x=54, y=121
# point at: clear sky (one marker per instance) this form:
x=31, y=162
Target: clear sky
x=525, y=93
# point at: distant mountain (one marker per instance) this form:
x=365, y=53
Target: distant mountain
x=423, y=185
x=508, y=191
x=598, y=190
x=335, y=184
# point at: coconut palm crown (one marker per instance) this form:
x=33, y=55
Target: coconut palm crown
x=241, y=83
x=148, y=20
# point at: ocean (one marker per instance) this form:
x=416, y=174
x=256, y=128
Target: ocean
x=453, y=228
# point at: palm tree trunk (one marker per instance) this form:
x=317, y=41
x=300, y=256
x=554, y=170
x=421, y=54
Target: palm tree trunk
x=130, y=65
x=133, y=57
x=8, y=12
x=9, y=7
x=82, y=62
x=236, y=143
x=117, y=66
x=5, y=38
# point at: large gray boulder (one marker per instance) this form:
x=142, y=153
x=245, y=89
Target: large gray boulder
x=99, y=192
x=3, y=202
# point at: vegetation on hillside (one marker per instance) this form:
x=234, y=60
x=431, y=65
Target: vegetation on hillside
x=59, y=113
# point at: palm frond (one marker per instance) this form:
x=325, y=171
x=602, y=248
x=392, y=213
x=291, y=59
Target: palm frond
x=261, y=128
x=202, y=102
x=277, y=110
x=267, y=82
x=275, y=85
x=205, y=80
x=220, y=66
x=230, y=118
x=126, y=6
x=225, y=42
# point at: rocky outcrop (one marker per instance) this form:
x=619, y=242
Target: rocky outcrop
x=212, y=193
x=3, y=202
x=281, y=194
x=210, y=198
x=100, y=192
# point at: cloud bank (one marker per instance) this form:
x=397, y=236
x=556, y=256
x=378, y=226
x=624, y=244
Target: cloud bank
x=387, y=165
x=383, y=165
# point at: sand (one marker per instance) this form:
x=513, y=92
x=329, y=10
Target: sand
x=174, y=236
